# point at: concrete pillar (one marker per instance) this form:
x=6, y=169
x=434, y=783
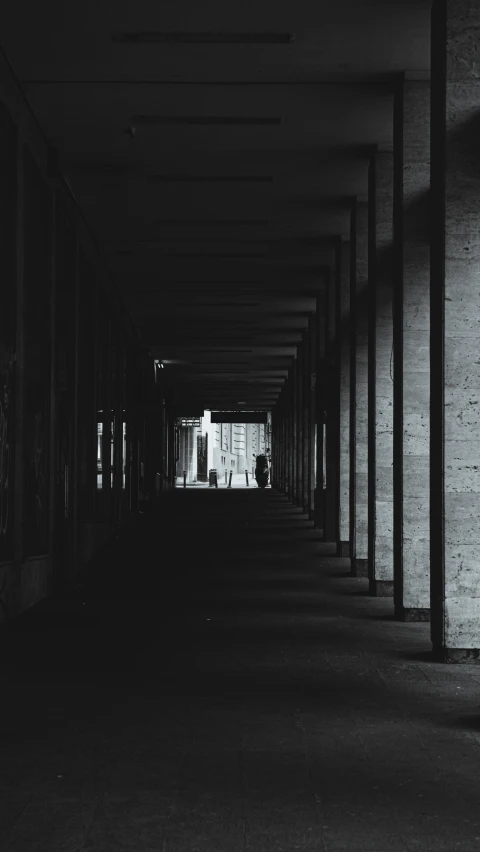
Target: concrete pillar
x=294, y=404
x=455, y=332
x=306, y=421
x=286, y=427
x=380, y=367
x=359, y=388
x=312, y=414
x=277, y=443
x=283, y=450
x=19, y=397
x=412, y=352
x=343, y=355
x=332, y=404
x=299, y=420
x=289, y=433
x=319, y=409
x=292, y=429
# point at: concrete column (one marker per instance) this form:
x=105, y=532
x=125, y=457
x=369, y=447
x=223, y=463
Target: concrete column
x=306, y=421
x=294, y=428
x=331, y=405
x=277, y=442
x=285, y=433
x=280, y=474
x=412, y=352
x=343, y=355
x=319, y=409
x=289, y=442
x=299, y=419
x=380, y=363
x=303, y=434
x=455, y=332
x=19, y=399
x=301, y=422
x=283, y=452
x=293, y=436
x=312, y=414
x=359, y=396
x=288, y=437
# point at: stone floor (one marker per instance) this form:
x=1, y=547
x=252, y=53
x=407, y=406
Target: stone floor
x=219, y=684
x=238, y=481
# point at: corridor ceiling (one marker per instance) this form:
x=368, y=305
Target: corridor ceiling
x=215, y=149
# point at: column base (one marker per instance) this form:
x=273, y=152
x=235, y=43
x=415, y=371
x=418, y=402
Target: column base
x=359, y=567
x=412, y=614
x=343, y=549
x=381, y=588
x=465, y=656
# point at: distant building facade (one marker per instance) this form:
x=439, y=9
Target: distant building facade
x=224, y=447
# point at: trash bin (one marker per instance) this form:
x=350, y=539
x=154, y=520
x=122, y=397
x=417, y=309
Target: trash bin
x=212, y=476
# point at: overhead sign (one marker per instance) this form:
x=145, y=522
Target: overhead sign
x=189, y=421
x=239, y=416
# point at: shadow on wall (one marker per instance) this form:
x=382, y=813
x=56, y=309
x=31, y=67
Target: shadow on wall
x=466, y=142
x=417, y=229
x=465, y=139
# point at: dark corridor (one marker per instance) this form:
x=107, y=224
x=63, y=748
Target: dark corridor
x=243, y=696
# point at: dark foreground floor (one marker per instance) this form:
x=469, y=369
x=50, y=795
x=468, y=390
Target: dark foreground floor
x=227, y=687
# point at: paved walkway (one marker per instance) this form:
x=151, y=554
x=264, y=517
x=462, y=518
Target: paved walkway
x=225, y=686
x=238, y=481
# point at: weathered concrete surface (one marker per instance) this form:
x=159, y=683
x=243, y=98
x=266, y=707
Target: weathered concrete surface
x=256, y=700
x=381, y=379
x=344, y=409
x=332, y=390
x=321, y=334
x=292, y=442
x=412, y=592
x=299, y=419
x=306, y=423
x=360, y=401
x=289, y=433
x=457, y=604
x=312, y=331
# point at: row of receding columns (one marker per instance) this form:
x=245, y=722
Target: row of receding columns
x=296, y=436
x=378, y=425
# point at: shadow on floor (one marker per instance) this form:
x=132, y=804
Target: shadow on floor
x=150, y=709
